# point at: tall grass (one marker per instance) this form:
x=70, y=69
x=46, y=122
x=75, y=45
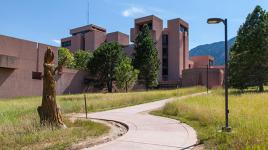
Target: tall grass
x=19, y=121
x=100, y=102
x=248, y=118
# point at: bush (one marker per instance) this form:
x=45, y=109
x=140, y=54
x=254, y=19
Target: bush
x=170, y=109
x=65, y=53
x=81, y=58
x=125, y=74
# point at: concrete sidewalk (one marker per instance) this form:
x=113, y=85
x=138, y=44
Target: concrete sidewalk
x=147, y=132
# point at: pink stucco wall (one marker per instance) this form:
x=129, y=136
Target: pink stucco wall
x=15, y=82
x=198, y=76
x=90, y=37
x=121, y=38
x=201, y=61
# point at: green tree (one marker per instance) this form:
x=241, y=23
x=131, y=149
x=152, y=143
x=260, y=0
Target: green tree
x=248, y=57
x=65, y=53
x=146, y=58
x=125, y=74
x=81, y=59
x=104, y=61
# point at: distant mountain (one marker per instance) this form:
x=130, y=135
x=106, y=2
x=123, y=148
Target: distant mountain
x=215, y=49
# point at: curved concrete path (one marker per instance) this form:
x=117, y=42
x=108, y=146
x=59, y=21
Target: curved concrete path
x=147, y=132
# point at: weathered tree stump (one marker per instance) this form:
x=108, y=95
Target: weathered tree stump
x=49, y=112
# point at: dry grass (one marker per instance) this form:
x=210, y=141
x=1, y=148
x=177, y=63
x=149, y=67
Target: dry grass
x=100, y=102
x=19, y=122
x=248, y=118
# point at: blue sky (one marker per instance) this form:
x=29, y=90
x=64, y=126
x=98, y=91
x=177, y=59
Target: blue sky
x=48, y=21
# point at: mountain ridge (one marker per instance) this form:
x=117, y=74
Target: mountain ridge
x=215, y=49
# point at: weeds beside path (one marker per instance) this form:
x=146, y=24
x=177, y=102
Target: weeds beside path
x=19, y=122
x=248, y=118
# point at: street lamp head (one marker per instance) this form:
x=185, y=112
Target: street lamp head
x=214, y=20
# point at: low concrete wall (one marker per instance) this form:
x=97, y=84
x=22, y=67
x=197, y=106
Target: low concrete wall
x=71, y=82
x=198, y=76
x=20, y=83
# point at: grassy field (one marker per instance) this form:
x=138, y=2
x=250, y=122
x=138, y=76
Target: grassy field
x=19, y=122
x=248, y=118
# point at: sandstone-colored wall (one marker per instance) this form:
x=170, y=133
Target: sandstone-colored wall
x=71, y=82
x=121, y=38
x=193, y=77
x=17, y=81
x=178, y=47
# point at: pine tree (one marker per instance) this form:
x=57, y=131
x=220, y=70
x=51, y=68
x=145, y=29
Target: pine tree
x=103, y=63
x=248, y=58
x=146, y=58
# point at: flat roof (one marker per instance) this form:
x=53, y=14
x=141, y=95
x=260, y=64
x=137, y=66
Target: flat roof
x=181, y=21
x=147, y=18
x=118, y=32
x=90, y=27
x=202, y=57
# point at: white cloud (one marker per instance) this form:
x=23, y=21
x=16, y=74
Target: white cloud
x=57, y=41
x=139, y=11
x=133, y=12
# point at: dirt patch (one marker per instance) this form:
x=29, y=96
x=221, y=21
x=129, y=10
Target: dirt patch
x=116, y=130
x=199, y=147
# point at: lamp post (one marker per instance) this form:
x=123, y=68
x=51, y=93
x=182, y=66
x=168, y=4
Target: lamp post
x=227, y=128
x=207, y=77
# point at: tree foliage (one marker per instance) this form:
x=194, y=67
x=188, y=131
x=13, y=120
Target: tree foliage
x=125, y=74
x=248, y=57
x=65, y=53
x=104, y=61
x=146, y=58
x=81, y=59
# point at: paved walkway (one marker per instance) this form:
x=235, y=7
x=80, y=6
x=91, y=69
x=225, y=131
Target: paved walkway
x=147, y=132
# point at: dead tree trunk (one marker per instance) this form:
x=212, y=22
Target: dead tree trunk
x=49, y=112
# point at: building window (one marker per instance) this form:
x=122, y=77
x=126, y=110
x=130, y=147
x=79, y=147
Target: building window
x=150, y=25
x=183, y=29
x=82, y=32
x=165, y=56
x=66, y=44
x=37, y=75
x=165, y=53
x=165, y=72
x=210, y=63
x=165, y=40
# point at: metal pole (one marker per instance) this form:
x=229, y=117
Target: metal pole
x=207, y=78
x=227, y=128
x=85, y=98
x=177, y=94
x=88, y=12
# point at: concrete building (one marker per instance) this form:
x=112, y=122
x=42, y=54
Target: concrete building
x=201, y=61
x=21, y=61
x=90, y=37
x=21, y=68
x=172, y=43
x=202, y=72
